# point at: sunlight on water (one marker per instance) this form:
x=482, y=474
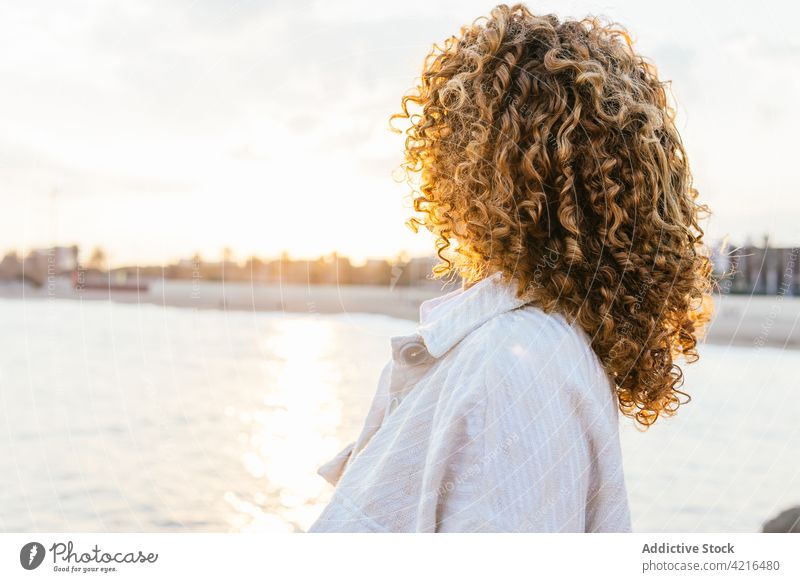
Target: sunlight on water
x=294, y=433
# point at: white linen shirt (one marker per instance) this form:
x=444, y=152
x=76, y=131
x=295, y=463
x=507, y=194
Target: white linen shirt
x=493, y=417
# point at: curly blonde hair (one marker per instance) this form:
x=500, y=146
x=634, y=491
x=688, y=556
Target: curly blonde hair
x=547, y=150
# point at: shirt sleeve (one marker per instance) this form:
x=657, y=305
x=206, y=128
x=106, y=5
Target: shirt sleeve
x=332, y=470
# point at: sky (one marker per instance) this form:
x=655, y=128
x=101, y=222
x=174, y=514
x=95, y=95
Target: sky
x=161, y=128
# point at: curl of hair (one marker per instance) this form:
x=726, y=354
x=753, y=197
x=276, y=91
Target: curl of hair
x=547, y=151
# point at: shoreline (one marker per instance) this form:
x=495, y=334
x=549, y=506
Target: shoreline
x=739, y=320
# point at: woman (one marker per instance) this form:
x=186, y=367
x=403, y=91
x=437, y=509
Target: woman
x=550, y=170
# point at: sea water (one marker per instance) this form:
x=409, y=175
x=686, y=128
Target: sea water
x=120, y=417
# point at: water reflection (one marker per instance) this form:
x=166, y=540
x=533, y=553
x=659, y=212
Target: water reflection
x=296, y=429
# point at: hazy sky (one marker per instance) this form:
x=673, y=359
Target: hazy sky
x=169, y=127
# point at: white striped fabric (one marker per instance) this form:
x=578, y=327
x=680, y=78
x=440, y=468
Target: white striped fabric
x=493, y=417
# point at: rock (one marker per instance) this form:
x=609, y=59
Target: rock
x=787, y=521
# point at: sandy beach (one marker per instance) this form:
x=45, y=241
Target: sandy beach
x=754, y=321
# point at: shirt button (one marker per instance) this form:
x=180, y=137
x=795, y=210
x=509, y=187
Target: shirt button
x=414, y=353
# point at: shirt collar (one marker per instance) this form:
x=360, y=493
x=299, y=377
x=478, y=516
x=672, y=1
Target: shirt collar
x=446, y=320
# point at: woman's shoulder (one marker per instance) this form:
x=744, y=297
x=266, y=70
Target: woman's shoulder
x=529, y=331
x=526, y=371
x=527, y=347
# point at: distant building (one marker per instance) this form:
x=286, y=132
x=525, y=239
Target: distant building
x=10, y=267
x=755, y=270
x=58, y=260
x=40, y=265
x=416, y=271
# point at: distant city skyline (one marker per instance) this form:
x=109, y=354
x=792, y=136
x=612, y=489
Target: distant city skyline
x=737, y=268
x=161, y=129
x=218, y=255
x=229, y=253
